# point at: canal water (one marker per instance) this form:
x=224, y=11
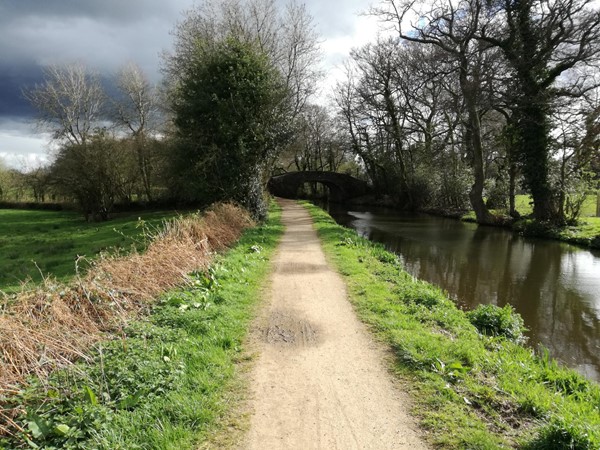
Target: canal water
x=553, y=285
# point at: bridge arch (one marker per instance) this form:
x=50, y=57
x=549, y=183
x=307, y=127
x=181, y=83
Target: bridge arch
x=342, y=187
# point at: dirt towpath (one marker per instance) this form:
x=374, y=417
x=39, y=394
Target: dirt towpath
x=320, y=381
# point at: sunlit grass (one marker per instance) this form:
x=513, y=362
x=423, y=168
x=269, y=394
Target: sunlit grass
x=524, y=205
x=33, y=243
x=471, y=391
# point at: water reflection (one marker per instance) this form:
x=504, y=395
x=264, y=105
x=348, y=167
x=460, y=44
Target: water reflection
x=554, y=286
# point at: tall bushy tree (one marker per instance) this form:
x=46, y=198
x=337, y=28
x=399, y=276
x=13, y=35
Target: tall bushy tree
x=286, y=35
x=227, y=117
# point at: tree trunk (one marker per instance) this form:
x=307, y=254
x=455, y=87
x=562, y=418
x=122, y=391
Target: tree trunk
x=476, y=194
x=474, y=142
x=512, y=182
x=397, y=137
x=533, y=138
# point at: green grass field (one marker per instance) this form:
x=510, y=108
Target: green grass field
x=33, y=243
x=172, y=380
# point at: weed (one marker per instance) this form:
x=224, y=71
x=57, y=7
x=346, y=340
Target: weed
x=565, y=435
x=492, y=320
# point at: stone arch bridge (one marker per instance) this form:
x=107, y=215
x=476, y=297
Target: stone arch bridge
x=341, y=186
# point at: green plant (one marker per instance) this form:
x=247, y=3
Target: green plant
x=564, y=435
x=166, y=381
x=492, y=320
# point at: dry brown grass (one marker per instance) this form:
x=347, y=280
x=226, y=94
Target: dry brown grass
x=55, y=324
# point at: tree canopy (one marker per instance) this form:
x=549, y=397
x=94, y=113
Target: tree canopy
x=227, y=117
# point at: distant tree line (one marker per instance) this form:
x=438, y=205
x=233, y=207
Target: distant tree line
x=239, y=78
x=465, y=102
x=456, y=105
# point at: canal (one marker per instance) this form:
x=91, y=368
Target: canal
x=554, y=286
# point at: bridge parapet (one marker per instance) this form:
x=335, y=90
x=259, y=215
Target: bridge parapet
x=341, y=186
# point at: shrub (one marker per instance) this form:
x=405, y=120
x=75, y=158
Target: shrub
x=564, y=435
x=492, y=320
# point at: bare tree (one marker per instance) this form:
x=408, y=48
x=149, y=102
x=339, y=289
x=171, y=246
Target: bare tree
x=403, y=118
x=70, y=102
x=138, y=108
x=452, y=27
x=317, y=144
x=138, y=111
x=379, y=89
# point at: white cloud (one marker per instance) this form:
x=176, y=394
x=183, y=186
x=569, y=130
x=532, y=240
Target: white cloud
x=337, y=50
x=21, y=146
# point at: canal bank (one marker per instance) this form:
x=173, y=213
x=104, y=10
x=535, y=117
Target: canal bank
x=554, y=286
x=472, y=390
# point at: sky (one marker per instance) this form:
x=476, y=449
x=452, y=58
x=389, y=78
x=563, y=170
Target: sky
x=107, y=34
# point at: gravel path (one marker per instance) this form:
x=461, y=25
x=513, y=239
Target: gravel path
x=320, y=380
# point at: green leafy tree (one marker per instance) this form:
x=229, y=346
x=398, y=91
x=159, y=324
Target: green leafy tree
x=227, y=117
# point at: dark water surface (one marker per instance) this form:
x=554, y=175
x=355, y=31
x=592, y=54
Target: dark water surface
x=553, y=285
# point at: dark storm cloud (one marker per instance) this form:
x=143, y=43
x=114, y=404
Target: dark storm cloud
x=111, y=10
x=13, y=79
x=105, y=35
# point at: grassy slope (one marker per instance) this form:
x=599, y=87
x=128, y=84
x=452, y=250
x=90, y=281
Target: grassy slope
x=170, y=381
x=53, y=240
x=585, y=233
x=524, y=205
x=471, y=391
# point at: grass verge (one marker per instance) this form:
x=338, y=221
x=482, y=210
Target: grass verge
x=585, y=233
x=473, y=388
x=48, y=327
x=33, y=243
x=168, y=381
